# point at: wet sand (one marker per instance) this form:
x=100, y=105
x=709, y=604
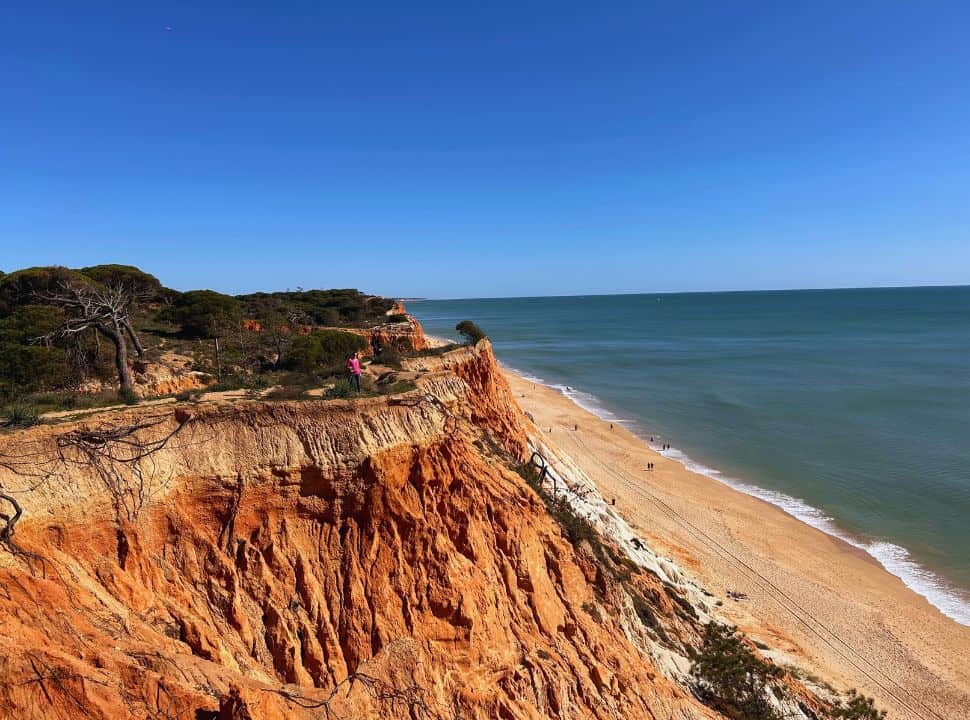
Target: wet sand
x=823, y=606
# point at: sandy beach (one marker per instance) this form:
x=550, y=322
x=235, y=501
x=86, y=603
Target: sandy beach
x=822, y=605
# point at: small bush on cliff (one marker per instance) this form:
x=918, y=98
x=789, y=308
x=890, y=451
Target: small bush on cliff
x=21, y=416
x=857, y=707
x=397, y=318
x=340, y=390
x=576, y=528
x=470, y=332
x=731, y=678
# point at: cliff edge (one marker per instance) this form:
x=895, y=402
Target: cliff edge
x=393, y=557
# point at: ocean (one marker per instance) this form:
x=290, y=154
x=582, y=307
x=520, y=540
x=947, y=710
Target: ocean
x=849, y=409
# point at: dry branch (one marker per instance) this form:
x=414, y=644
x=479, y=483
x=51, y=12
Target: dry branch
x=122, y=459
x=389, y=697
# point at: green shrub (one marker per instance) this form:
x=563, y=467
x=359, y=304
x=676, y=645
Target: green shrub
x=205, y=313
x=401, y=386
x=128, y=276
x=287, y=392
x=398, y=318
x=128, y=396
x=390, y=357
x=857, y=707
x=732, y=679
x=21, y=416
x=25, y=365
x=322, y=349
x=470, y=332
x=323, y=307
x=340, y=390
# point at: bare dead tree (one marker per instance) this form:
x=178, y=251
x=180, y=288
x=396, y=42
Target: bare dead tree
x=106, y=311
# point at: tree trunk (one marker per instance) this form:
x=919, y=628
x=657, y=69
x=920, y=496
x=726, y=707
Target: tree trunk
x=279, y=351
x=121, y=355
x=139, y=350
x=218, y=360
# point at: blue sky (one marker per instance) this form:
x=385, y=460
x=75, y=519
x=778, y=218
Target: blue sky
x=488, y=149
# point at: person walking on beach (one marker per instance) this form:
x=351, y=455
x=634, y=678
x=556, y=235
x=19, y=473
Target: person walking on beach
x=353, y=366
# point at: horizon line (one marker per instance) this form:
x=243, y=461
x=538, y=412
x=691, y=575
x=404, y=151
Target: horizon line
x=403, y=298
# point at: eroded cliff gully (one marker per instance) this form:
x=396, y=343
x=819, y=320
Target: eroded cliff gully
x=340, y=559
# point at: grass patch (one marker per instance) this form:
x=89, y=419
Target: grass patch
x=401, y=386
x=286, y=392
x=21, y=415
x=58, y=401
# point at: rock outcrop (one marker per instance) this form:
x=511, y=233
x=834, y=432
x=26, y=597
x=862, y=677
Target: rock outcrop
x=337, y=559
x=404, y=336
x=171, y=375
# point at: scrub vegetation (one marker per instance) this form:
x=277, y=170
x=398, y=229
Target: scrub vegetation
x=70, y=337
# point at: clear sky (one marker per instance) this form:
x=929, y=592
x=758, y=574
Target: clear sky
x=479, y=149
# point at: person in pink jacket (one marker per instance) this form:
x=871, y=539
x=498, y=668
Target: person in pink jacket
x=353, y=366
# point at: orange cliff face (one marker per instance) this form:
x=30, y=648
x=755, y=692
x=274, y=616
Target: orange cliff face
x=370, y=558
x=403, y=335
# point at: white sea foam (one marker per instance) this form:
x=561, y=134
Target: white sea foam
x=585, y=400
x=895, y=559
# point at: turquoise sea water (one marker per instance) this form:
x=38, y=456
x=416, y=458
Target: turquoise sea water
x=850, y=409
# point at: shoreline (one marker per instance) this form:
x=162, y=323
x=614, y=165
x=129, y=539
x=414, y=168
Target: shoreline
x=819, y=600
x=952, y=601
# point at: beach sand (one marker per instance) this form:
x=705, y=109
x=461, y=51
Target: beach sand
x=822, y=605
